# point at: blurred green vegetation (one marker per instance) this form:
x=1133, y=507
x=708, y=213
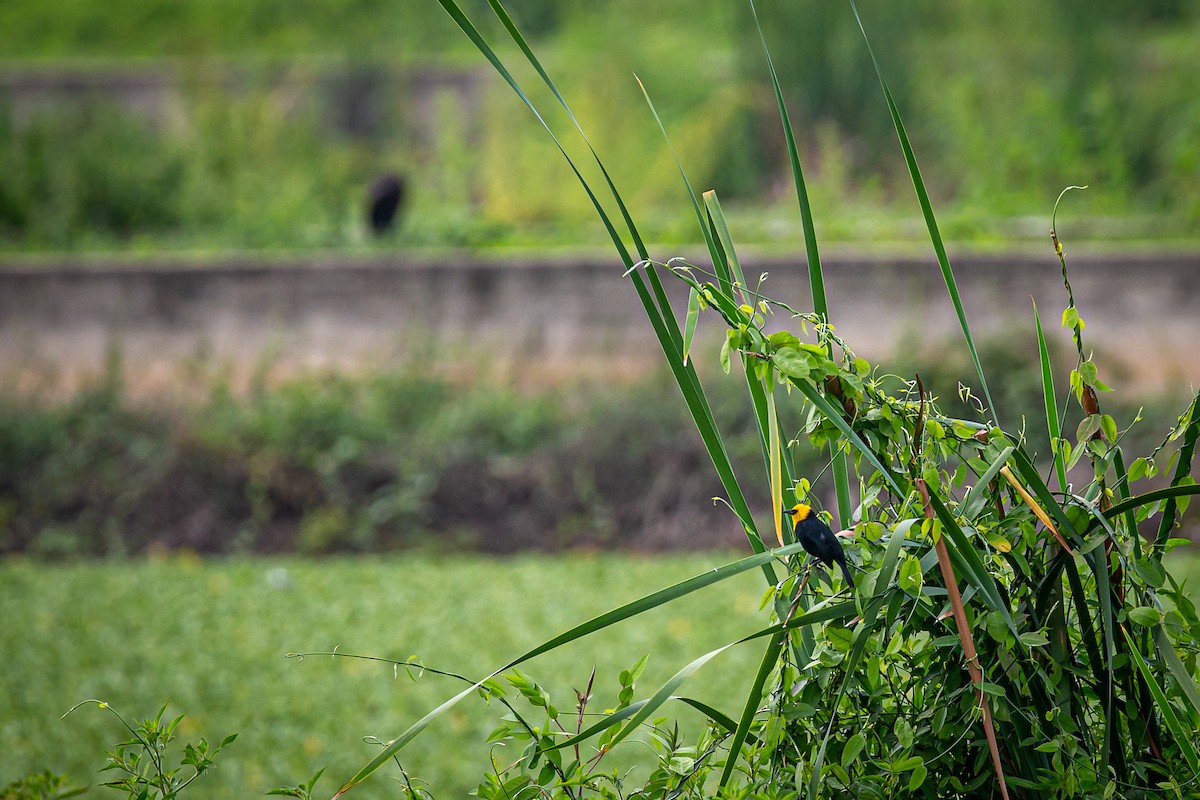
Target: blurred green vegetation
x=1006, y=102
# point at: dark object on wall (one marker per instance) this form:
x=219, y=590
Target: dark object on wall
x=387, y=197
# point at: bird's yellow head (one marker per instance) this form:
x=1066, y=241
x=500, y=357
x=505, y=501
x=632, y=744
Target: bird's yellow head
x=800, y=512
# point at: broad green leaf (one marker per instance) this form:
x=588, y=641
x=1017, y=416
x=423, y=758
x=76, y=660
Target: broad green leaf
x=918, y=777
x=1150, y=571
x=854, y=746
x=1145, y=616
x=793, y=363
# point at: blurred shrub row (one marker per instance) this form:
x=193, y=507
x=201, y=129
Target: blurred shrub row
x=330, y=463
x=1007, y=102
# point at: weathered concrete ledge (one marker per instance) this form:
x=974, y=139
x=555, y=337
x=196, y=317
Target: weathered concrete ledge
x=544, y=315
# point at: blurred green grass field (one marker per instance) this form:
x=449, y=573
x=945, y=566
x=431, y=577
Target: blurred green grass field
x=210, y=639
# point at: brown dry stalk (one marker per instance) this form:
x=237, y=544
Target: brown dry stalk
x=964, y=636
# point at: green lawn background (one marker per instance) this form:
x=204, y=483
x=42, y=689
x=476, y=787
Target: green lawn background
x=210, y=638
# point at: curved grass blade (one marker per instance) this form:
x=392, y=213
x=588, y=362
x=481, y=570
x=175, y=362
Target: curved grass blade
x=654, y=299
x=664, y=693
x=1153, y=496
x=578, y=632
x=716, y=715
x=935, y=236
x=816, y=277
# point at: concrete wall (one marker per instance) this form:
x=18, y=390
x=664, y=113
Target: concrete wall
x=542, y=317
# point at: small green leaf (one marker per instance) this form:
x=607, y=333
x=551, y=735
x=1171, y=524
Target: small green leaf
x=1145, y=616
x=1088, y=371
x=689, y=325
x=905, y=764
x=725, y=355
x=910, y=578
x=917, y=778
x=1033, y=639
x=1137, y=470
x=1087, y=427
x=781, y=339
x=793, y=363
x=1108, y=426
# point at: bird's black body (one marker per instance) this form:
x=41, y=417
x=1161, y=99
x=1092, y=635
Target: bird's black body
x=386, y=202
x=816, y=537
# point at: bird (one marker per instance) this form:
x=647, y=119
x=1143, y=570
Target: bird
x=816, y=537
x=386, y=201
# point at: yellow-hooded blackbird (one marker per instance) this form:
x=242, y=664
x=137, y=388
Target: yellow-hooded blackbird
x=815, y=537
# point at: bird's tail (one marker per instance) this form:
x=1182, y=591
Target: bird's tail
x=846, y=572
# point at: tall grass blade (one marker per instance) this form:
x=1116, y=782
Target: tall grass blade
x=1049, y=400
x=1187, y=683
x=1183, y=471
x=776, y=465
x=935, y=236
x=654, y=299
x=693, y=392
x=1183, y=734
x=816, y=275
